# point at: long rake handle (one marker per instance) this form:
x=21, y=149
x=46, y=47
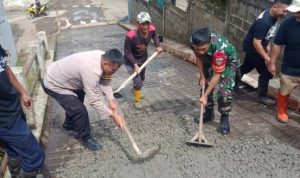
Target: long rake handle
x=136, y=148
x=201, y=116
x=124, y=84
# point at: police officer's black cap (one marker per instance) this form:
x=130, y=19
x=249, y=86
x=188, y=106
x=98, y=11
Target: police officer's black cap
x=201, y=36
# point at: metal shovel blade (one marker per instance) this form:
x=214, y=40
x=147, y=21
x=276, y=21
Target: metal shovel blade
x=199, y=140
x=199, y=144
x=149, y=153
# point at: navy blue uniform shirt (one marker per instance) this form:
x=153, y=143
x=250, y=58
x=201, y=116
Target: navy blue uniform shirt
x=10, y=107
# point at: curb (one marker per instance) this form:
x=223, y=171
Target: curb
x=184, y=52
x=52, y=52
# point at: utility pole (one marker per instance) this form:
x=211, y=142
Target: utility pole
x=6, y=36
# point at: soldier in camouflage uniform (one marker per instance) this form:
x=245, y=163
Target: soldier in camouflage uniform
x=217, y=61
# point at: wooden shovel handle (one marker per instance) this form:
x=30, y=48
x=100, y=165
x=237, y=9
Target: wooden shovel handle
x=124, y=84
x=136, y=148
x=201, y=115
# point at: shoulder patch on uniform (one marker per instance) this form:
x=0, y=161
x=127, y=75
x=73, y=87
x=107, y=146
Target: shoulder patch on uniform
x=105, y=79
x=131, y=34
x=219, y=62
x=151, y=28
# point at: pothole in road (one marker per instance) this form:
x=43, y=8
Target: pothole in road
x=86, y=14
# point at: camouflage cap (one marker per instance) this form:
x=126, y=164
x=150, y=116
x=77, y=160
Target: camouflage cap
x=143, y=17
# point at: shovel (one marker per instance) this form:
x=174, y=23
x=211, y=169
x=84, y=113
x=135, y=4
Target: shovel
x=199, y=139
x=147, y=154
x=124, y=84
x=141, y=156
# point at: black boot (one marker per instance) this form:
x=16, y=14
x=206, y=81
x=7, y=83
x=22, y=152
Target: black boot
x=237, y=80
x=224, y=124
x=209, y=115
x=14, y=166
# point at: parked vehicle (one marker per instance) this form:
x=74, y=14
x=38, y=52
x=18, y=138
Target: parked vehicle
x=32, y=11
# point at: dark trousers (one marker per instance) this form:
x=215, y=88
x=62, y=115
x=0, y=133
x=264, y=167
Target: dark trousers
x=254, y=60
x=139, y=79
x=20, y=143
x=76, y=113
x=224, y=94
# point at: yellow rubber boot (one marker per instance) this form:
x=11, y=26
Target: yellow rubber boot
x=282, y=102
x=137, y=98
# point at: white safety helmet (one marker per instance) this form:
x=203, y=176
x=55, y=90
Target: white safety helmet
x=143, y=17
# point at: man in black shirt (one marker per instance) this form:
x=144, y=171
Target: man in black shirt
x=25, y=155
x=255, y=47
x=288, y=35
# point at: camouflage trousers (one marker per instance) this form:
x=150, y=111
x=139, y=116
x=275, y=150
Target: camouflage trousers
x=225, y=89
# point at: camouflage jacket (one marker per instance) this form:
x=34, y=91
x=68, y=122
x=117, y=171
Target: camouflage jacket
x=220, y=54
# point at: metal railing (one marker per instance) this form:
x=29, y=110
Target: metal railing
x=33, y=71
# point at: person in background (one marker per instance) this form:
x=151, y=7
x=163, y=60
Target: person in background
x=25, y=155
x=88, y=73
x=287, y=36
x=38, y=5
x=257, y=53
x=135, y=49
x=217, y=61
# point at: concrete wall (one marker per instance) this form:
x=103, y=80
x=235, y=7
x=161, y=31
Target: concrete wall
x=156, y=13
x=138, y=6
x=176, y=24
x=232, y=20
x=242, y=14
x=205, y=14
x=153, y=9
